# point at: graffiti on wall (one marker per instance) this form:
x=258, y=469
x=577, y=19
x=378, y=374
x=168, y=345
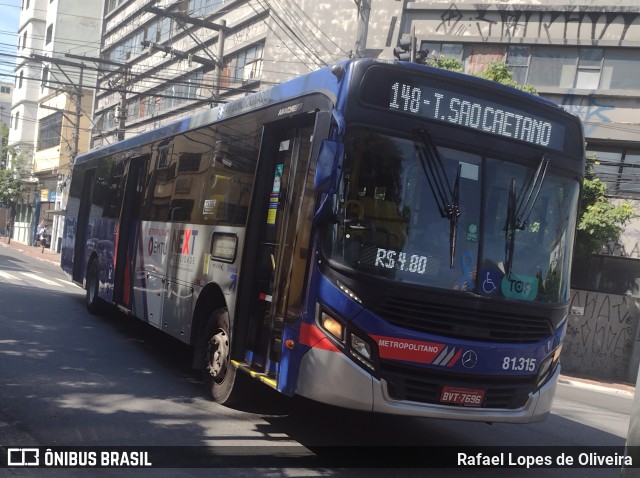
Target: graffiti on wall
x=616, y=249
x=600, y=335
x=589, y=109
x=537, y=21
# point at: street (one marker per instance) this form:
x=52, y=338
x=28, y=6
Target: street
x=72, y=379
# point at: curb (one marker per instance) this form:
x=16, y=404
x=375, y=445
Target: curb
x=51, y=257
x=620, y=390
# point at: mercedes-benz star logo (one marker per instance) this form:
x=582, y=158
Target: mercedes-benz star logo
x=469, y=359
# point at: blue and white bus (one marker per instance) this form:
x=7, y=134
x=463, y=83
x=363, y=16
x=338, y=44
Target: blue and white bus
x=379, y=236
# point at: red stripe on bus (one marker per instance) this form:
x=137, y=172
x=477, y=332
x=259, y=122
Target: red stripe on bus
x=455, y=358
x=312, y=336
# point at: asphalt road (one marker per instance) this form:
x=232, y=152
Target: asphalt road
x=71, y=379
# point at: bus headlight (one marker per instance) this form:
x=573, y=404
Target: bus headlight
x=360, y=346
x=347, y=339
x=548, y=366
x=332, y=326
x=361, y=351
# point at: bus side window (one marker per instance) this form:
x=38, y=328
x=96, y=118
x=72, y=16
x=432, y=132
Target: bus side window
x=160, y=182
x=227, y=200
x=217, y=198
x=187, y=182
x=115, y=190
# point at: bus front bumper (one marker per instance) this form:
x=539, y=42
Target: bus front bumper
x=332, y=378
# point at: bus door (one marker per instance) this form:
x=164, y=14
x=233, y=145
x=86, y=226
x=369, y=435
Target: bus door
x=127, y=232
x=82, y=224
x=279, y=206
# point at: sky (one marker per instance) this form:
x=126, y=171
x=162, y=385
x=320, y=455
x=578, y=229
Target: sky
x=9, y=23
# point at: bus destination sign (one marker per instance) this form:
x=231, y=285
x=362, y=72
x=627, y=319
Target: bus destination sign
x=435, y=101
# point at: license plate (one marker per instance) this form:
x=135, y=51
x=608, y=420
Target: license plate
x=469, y=397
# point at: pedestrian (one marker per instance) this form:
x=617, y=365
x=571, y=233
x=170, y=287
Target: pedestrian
x=42, y=236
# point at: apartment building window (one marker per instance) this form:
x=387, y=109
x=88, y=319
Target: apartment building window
x=49, y=34
x=589, y=67
x=158, y=31
x=518, y=61
x=620, y=171
x=450, y=50
x=17, y=120
x=111, y=5
x=620, y=69
x=133, y=109
x=553, y=66
x=182, y=89
x=572, y=67
x=24, y=40
x=5, y=89
x=199, y=8
x=148, y=106
x=247, y=65
x=45, y=77
x=109, y=120
x=20, y=78
x=129, y=48
x=49, y=131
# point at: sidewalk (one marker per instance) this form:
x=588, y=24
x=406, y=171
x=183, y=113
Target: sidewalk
x=617, y=388
x=48, y=255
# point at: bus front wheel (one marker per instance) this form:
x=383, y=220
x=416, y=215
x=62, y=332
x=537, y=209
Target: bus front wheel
x=93, y=301
x=220, y=378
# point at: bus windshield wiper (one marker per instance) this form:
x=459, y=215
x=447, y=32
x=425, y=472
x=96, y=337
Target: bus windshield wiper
x=519, y=210
x=446, y=199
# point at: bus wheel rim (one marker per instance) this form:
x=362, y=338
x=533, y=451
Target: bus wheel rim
x=217, y=355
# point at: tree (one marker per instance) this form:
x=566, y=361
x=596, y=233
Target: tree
x=600, y=221
x=4, y=141
x=13, y=177
x=496, y=71
x=446, y=63
x=499, y=71
x=12, y=185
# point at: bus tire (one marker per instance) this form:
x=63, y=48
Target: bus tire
x=221, y=380
x=94, y=303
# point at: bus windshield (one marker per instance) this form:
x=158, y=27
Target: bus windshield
x=411, y=211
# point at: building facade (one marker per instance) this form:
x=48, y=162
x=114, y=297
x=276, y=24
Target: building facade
x=164, y=60
x=48, y=30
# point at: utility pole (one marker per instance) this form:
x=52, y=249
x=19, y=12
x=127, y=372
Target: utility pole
x=81, y=66
x=122, y=116
x=364, y=10
x=59, y=62
x=221, y=33
x=179, y=54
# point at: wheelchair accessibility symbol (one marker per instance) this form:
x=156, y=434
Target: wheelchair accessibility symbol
x=490, y=281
